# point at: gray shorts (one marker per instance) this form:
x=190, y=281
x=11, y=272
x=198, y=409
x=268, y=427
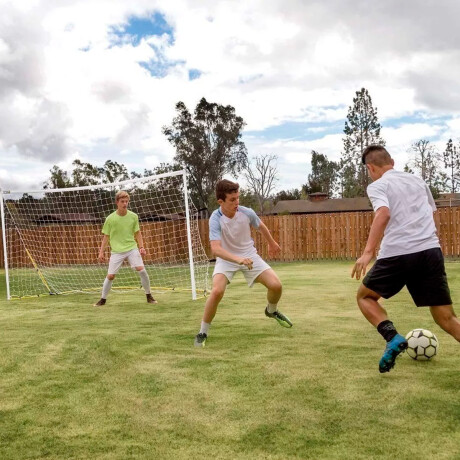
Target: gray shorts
x=230, y=268
x=116, y=260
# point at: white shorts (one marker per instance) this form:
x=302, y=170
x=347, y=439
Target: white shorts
x=116, y=260
x=229, y=269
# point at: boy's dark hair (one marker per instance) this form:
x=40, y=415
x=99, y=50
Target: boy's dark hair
x=225, y=186
x=376, y=155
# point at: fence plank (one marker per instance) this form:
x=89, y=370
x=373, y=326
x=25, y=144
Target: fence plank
x=301, y=237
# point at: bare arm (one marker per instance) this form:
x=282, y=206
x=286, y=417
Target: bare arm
x=381, y=219
x=219, y=251
x=140, y=242
x=273, y=246
x=104, y=243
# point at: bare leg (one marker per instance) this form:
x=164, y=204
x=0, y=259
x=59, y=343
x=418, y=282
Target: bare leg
x=445, y=317
x=369, y=306
x=273, y=284
x=219, y=284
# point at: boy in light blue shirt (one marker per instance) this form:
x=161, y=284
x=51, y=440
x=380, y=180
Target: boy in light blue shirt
x=231, y=243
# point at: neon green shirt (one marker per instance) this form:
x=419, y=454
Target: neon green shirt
x=121, y=230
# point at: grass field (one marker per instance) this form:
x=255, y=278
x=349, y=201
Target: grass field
x=125, y=382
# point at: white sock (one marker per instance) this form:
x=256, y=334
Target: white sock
x=204, y=327
x=145, y=281
x=272, y=307
x=106, y=288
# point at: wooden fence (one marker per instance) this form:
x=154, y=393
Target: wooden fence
x=301, y=237
x=335, y=235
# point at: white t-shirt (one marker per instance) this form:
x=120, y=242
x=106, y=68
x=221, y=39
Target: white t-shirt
x=411, y=227
x=235, y=233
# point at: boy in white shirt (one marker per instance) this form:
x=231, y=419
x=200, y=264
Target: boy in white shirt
x=410, y=254
x=231, y=243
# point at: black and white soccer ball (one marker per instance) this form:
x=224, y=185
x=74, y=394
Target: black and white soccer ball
x=423, y=344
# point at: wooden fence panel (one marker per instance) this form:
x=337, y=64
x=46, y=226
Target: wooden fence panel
x=301, y=237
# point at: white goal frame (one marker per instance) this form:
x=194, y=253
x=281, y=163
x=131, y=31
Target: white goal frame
x=191, y=217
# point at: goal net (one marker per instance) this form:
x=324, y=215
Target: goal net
x=51, y=238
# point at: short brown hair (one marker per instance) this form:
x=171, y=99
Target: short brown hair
x=121, y=194
x=225, y=186
x=376, y=155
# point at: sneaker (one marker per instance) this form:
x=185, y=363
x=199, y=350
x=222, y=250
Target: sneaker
x=200, y=339
x=100, y=303
x=283, y=320
x=394, y=347
x=150, y=299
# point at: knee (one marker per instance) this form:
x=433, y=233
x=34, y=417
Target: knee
x=110, y=277
x=276, y=286
x=139, y=269
x=364, y=293
x=217, y=292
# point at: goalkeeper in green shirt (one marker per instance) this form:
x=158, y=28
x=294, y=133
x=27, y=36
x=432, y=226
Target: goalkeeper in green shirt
x=121, y=231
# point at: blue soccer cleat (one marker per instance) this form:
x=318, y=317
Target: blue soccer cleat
x=394, y=347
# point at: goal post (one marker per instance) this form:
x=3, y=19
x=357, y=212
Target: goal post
x=51, y=238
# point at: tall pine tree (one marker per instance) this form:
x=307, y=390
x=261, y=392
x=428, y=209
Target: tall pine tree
x=361, y=129
x=451, y=158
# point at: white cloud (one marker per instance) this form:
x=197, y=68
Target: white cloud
x=67, y=89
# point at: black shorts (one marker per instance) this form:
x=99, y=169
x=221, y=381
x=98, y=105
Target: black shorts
x=422, y=272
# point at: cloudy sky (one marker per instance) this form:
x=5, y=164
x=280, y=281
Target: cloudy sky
x=97, y=79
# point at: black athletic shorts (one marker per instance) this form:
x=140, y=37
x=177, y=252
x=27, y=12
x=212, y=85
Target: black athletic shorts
x=422, y=272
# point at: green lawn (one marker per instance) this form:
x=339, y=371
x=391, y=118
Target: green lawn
x=124, y=381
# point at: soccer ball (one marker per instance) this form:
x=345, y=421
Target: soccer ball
x=423, y=344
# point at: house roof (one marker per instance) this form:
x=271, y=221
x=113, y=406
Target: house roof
x=447, y=202
x=67, y=218
x=332, y=205
x=161, y=217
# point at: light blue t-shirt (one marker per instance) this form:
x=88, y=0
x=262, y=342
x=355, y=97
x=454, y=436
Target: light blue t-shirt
x=235, y=233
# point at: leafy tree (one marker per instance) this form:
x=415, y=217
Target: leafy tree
x=59, y=179
x=85, y=174
x=261, y=178
x=324, y=174
x=451, y=157
x=425, y=162
x=284, y=195
x=248, y=198
x=114, y=172
x=208, y=143
x=361, y=129
x=168, y=186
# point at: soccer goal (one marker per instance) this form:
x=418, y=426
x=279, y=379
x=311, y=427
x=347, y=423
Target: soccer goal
x=51, y=237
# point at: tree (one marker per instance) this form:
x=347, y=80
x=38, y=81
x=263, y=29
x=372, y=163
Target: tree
x=451, y=158
x=208, y=143
x=324, y=174
x=284, y=195
x=425, y=162
x=59, y=179
x=85, y=174
x=261, y=178
x=248, y=198
x=361, y=129
x=168, y=186
x=114, y=172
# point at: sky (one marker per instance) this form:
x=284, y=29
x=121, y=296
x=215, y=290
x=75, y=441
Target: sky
x=98, y=79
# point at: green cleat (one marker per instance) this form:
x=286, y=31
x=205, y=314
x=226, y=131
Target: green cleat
x=200, y=339
x=283, y=320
